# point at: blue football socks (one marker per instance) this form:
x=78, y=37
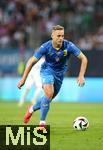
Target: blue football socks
x=37, y=105
x=45, y=104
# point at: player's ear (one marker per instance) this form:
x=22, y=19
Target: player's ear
x=51, y=35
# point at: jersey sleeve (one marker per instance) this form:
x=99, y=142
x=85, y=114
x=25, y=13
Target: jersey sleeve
x=40, y=52
x=72, y=48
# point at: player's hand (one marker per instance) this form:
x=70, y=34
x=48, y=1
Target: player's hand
x=20, y=83
x=81, y=81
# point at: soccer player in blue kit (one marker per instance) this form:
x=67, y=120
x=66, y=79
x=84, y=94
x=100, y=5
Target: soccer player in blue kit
x=56, y=52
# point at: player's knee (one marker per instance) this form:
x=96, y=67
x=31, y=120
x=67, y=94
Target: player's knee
x=49, y=94
x=49, y=91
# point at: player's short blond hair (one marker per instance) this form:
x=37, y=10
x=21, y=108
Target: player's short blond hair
x=57, y=27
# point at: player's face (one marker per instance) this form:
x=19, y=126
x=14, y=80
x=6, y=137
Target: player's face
x=57, y=37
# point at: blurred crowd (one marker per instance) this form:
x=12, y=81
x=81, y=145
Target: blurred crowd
x=28, y=23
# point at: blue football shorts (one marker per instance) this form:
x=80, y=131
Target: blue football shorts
x=50, y=77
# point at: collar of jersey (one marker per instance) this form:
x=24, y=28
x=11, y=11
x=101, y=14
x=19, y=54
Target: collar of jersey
x=56, y=48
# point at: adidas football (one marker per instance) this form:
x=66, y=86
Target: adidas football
x=80, y=123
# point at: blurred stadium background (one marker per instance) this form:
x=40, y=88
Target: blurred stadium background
x=24, y=25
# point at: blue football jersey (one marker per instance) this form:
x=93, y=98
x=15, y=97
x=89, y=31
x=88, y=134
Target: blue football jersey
x=56, y=60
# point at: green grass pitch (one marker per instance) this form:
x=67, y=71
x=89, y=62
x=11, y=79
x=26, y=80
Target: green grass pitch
x=60, y=118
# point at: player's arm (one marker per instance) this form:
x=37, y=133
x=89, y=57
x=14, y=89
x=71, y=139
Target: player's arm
x=38, y=54
x=84, y=61
x=28, y=67
x=77, y=52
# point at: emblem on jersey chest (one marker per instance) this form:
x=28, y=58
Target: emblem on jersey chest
x=57, y=55
x=57, y=59
x=65, y=52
